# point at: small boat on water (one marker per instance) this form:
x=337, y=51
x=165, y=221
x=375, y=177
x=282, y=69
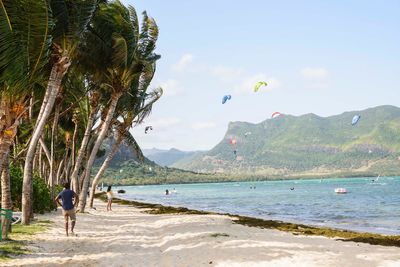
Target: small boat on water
x=340, y=190
x=121, y=191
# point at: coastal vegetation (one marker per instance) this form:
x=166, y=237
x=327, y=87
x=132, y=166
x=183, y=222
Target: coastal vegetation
x=72, y=74
x=134, y=174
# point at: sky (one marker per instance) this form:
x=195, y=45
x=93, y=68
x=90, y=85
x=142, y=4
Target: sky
x=321, y=57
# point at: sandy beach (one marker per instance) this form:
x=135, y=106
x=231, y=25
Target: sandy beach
x=128, y=237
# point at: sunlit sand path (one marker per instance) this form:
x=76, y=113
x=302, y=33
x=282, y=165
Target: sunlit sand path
x=128, y=237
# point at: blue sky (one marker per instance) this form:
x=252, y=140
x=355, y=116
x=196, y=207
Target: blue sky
x=322, y=57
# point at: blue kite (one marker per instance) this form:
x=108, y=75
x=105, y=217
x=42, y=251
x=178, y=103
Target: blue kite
x=226, y=98
x=355, y=119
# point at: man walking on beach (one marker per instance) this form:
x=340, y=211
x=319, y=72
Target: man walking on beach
x=69, y=201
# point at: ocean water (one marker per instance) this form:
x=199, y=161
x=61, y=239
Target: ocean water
x=369, y=206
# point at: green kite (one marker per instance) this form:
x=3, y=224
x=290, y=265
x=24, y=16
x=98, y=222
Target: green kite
x=258, y=85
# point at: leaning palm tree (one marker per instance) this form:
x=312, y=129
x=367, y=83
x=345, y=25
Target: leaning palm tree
x=133, y=108
x=24, y=48
x=71, y=18
x=125, y=54
x=138, y=110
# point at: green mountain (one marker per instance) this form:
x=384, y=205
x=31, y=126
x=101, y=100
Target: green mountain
x=166, y=157
x=124, y=169
x=307, y=145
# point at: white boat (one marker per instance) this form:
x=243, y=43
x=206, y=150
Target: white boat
x=340, y=190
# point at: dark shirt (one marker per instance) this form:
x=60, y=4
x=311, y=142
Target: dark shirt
x=66, y=196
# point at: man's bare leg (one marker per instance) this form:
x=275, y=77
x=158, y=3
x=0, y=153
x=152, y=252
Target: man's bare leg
x=66, y=224
x=72, y=226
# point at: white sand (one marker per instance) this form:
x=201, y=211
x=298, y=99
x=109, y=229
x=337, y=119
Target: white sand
x=128, y=237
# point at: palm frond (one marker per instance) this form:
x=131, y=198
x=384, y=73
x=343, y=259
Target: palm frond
x=72, y=21
x=135, y=22
x=120, y=54
x=148, y=37
x=24, y=42
x=145, y=111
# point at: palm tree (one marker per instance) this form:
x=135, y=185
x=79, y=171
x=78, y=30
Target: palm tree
x=138, y=110
x=133, y=109
x=126, y=53
x=71, y=18
x=93, y=108
x=24, y=46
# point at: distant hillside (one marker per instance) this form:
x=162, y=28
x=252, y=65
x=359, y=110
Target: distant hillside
x=123, y=155
x=307, y=144
x=166, y=157
x=125, y=169
x=152, y=151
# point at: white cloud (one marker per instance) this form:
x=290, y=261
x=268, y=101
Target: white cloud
x=314, y=73
x=273, y=83
x=316, y=78
x=226, y=74
x=171, y=87
x=203, y=125
x=247, y=85
x=183, y=62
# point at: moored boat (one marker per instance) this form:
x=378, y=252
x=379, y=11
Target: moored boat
x=340, y=190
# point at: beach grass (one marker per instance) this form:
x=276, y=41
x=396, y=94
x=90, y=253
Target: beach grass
x=16, y=244
x=294, y=228
x=153, y=208
x=301, y=229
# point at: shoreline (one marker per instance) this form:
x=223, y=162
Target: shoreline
x=257, y=179
x=293, y=228
x=129, y=236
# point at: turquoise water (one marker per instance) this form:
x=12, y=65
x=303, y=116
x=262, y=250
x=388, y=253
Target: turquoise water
x=369, y=206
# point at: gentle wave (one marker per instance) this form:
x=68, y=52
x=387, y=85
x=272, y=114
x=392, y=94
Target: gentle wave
x=368, y=206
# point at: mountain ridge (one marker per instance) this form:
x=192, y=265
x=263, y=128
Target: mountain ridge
x=166, y=157
x=307, y=143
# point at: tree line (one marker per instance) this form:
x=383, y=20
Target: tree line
x=72, y=73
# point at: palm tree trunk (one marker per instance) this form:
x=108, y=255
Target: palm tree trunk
x=48, y=156
x=41, y=163
x=59, y=169
x=82, y=149
x=81, y=180
x=71, y=162
x=8, y=132
x=57, y=73
x=45, y=150
x=52, y=177
x=66, y=170
x=103, y=132
x=31, y=101
x=5, y=197
x=104, y=166
x=36, y=159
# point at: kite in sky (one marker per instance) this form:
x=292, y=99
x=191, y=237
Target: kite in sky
x=147, y=129
x=276, y=114
x=355, y=119
x=226, y=98
x=258, y=85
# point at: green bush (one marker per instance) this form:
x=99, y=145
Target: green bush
x=42, y=201
x=16, y=178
